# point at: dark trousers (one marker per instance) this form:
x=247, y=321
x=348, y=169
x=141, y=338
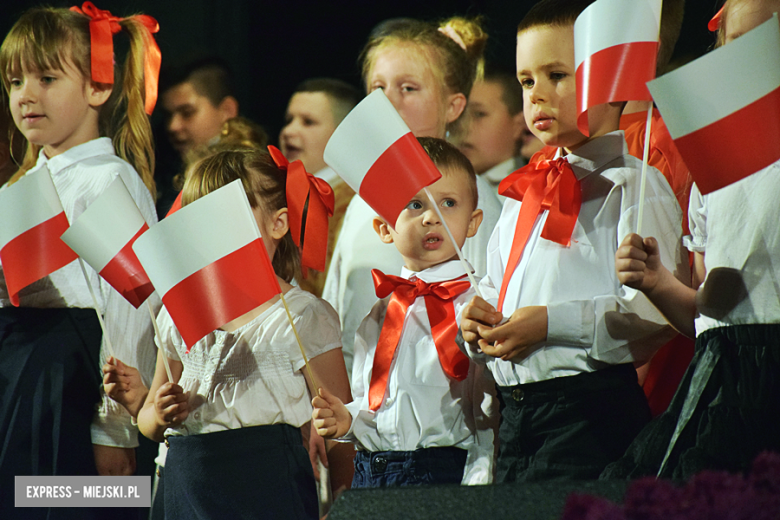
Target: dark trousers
x=425, y=466
x=568, y=427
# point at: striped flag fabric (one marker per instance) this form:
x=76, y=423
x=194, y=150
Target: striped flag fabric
x=103, y=235
x=615, y=50
x=208, y=262
x=723, y=110
x=378, y=156
x=32, y=222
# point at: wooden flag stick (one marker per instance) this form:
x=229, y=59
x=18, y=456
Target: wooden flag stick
x=97, y=309
x=457, y=247
x=157, y=333
x=643, y=178
x=314, y=382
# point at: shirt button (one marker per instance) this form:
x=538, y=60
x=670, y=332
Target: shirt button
x=380, y=464
x=197, y=415
x=518, y=394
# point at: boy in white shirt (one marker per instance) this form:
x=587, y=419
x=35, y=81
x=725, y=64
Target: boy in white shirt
x=570, y=402
x=420, y=408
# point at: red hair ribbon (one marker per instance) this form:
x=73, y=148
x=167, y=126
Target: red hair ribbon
x=302, y=185
x=102, y=28
x=549, y=185
x=714, y=24
x=441, y=316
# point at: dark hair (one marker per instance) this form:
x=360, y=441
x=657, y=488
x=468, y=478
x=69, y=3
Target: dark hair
x=511, y=91
x=554, y=13
x=445, y=155
x=672, y=13
x=343, y=96
x=210, y=76
x=265, y=186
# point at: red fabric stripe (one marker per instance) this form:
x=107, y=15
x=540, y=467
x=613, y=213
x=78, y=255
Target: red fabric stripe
x=34, y=254
x=222, y=291
x=125, y=274
x=618, y=73
x=395, y=178
x=734, y=147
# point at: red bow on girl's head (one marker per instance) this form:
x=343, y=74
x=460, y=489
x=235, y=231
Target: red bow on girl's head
x=300, y=186
x=102, y=27
x=714, y=24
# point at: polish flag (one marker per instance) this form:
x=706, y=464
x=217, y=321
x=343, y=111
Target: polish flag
x=615, y=50
x=723, y=110
x=378, y=156
x=104, y=235
x=208, y=262
x=32, y=221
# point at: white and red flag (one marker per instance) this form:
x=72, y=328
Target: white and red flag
x=208, y=262
x=723, y=110
x=103, y=235
x=31, y=223
x=615, y=50
x=378, y=156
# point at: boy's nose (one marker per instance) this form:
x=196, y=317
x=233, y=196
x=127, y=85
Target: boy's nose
x=430, y=217
x=175, y=123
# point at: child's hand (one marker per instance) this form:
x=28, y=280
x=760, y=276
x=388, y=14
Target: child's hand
x=330, y=417
x=478, y=314
x=170, y=405
x=123, y=384
x=637, y=262
x=526, y=328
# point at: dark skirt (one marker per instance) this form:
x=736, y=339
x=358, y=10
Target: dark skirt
x=253, y=472
x=49, y=387
x=725, y=412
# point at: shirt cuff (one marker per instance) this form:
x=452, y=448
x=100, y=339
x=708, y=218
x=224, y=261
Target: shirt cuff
x=112, y=426
x=570, y=323
x=697, y=244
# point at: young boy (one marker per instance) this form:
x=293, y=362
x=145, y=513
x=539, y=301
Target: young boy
x=570, y=402
x=417, y=415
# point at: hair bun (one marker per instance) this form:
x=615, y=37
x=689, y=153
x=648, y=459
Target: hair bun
x=470, y=36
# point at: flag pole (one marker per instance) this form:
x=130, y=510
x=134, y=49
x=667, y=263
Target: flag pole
x=643, y=178
x=314, y=382
x=157, y=333
x=457, y=247
x=97, y=309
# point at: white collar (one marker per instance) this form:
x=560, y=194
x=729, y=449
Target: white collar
x=594, y=154
x=93, y=148
x=497, y=173
x=449, y=270
x=328, y=175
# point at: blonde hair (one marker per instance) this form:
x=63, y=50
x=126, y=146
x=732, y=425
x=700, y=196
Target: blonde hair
x=45, y=38
x=727, y=5
x=265, y=186
x=457, y=67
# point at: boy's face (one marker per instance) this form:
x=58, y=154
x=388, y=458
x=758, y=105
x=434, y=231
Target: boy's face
x=419, y=234
x=309, y=123
x=192, y=120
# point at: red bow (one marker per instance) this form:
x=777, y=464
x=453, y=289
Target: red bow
x=102, y=26
x=714, y=24
x=549, y=185
x=441, y=315
x=300, y=186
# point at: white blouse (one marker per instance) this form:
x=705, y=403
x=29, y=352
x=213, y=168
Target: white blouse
x=252, y=376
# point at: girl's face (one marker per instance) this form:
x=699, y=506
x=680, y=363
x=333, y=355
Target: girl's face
x=404, y=72
x=56, y=109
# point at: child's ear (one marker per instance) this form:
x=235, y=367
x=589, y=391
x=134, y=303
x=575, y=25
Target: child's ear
x=474, y=222
x=518, y=125
x=456, y=104
x=98, y=93
x=281, y=224
x=228, y=107
x=382, y=229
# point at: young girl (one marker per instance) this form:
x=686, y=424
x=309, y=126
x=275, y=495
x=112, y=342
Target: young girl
x=232, y=421
x=427, y=72
x=86, y=134
x=726, y=409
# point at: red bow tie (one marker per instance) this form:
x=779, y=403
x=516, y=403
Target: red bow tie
x=441, y=315
x=549, y=185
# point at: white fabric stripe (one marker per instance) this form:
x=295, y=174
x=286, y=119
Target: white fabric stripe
x=367, y=131
x=721, y=82
x=106, y=226
x=196, y=236
x=607, y=23
x=28, y=203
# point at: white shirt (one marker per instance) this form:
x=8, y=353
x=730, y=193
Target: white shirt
x=737, y=227
x=252, y=376
x=593, y=320
x=80, y=175
x=498, y=173
x=423, y=407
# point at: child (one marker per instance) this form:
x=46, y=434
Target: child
x=50, y=347
x=240, y=397
x=726, y=408
x=569, y=396
x=427, y=72
x=420, y=424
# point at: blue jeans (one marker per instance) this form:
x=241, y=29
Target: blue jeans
x=425, y=466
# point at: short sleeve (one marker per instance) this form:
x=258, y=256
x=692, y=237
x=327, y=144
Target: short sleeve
x=169, y=341
x=697, y=218
x=319, y=329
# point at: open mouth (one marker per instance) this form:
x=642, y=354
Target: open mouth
x=433, y=241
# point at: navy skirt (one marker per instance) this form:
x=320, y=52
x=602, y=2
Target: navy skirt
x=253, y=472
x=724, y=413
x=49, y=387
